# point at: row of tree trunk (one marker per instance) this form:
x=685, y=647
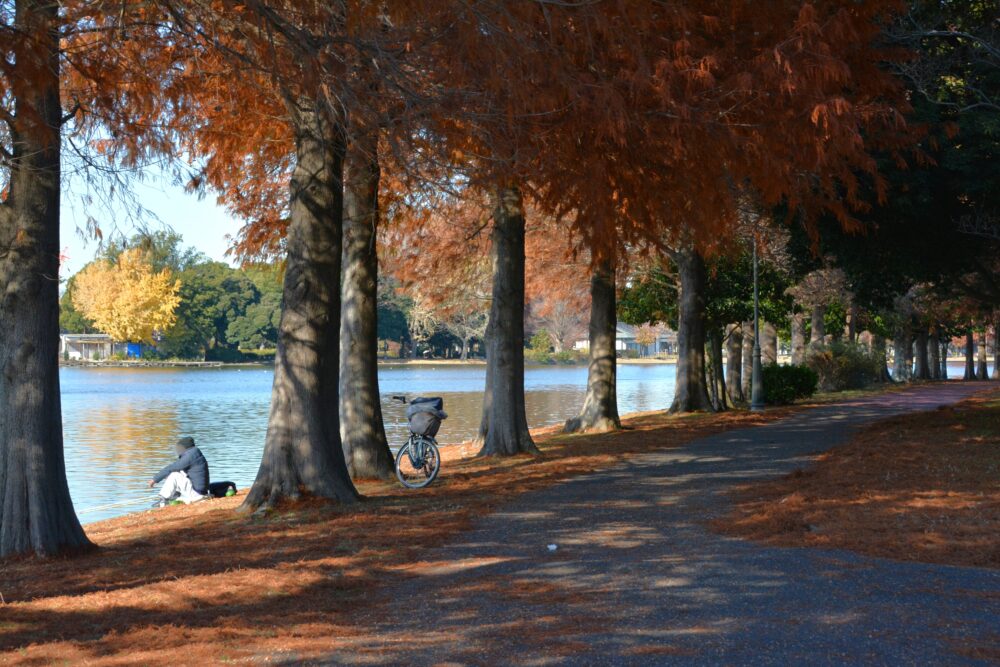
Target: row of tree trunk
x=923, y=355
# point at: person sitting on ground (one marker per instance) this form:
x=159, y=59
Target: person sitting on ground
x=186, y=479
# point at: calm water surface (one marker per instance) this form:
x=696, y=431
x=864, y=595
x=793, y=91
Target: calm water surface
x=120, y=423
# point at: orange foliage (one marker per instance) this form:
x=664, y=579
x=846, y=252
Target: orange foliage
x=633, y=120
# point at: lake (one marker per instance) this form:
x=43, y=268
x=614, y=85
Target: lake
x=120, y=423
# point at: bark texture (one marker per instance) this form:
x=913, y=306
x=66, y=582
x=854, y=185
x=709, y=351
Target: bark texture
x=818, y=332
x=718, y=394
x=982, y=372
x=900, y=343
x=934, y=354
x=798, y=326
x=691, y=391
x=506, y=427
x=734, y=364
x=36, y=512
x=303, y=455
x=768, y=344
x=362, y=433
x=922, y=365
x=878, y=347
x=747, y=374
x=600, y=406
x=996, y=350
x=970, y=359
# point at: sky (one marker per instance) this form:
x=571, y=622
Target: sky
x=203, y=223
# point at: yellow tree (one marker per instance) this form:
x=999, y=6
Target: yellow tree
x=126, y=299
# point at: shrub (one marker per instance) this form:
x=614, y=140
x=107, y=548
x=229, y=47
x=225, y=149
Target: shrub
x=537, y=356
x=841, y=366
x=226, y=355
x=785, y=384
x=567, y=357
x=540, y=341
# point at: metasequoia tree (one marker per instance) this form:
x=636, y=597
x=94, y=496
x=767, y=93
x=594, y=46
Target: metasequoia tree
x=36, y=513
x=361, y=429
x=289, y=70
x=37, y=76
x=127, y=299
x=691, y=388
x=600, y=406
x=807, y=146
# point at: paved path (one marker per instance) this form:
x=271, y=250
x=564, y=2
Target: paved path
x=637, y=579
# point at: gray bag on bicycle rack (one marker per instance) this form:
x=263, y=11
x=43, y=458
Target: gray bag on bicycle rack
x=425, y=415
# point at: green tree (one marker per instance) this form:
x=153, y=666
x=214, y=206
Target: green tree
x=257, y=328
x=212, y=295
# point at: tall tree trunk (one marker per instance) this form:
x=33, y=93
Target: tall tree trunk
x=852, y=323
x=507, y=422
x=465, y=348
x=970, y=359
x=798, y=325
x=747, y=374
x=600, y=406
x=944, y=359
x=922, y=371
x=768, y=344
x=36, y=512
x=302, y=450
x=361, y=430
x=719, y=393
x=934, y=350
x=818, y=332
x=734, y=363
x=900, y=343
x=982, y=372
x=908, y=352
x=878, y=348
x=691, y=391
x=996, y=350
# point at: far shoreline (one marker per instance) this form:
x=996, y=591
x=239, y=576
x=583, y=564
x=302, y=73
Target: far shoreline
x=78, y=363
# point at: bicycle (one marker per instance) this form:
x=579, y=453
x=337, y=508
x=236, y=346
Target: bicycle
x=418, y=461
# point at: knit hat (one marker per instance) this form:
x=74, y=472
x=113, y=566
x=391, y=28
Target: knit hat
x=186, y=442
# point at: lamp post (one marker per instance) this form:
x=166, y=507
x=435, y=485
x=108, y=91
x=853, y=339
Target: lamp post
x=756, y=382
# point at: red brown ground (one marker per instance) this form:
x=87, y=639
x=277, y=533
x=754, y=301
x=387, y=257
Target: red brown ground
x=202, y=583
x=922, y=487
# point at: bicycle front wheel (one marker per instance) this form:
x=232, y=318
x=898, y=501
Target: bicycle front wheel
x=417, y=462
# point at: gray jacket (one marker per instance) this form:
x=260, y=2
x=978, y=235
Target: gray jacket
x=192, y=462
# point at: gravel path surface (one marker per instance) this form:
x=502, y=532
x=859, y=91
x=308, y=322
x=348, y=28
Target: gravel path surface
x=636, y=578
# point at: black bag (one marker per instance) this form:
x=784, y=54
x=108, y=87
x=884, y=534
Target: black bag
x=221, y=489
x=425, y=423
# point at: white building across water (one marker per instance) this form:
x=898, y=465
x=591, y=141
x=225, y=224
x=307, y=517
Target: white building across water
x=93, y=347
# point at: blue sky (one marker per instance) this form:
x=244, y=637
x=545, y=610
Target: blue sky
x=203, y=223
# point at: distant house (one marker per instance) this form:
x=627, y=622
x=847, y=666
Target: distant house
x=86, y=346
x=666, y=343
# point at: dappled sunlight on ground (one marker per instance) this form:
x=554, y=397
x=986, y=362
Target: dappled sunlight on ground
x=919, y=487
x=204, y=583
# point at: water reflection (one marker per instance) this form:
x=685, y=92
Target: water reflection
x=120, y=424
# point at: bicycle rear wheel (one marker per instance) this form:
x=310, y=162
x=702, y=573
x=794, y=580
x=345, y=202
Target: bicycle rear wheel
x=417, y=462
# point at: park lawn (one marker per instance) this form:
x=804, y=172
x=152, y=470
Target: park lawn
x=921, y=487
x=203, y=583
